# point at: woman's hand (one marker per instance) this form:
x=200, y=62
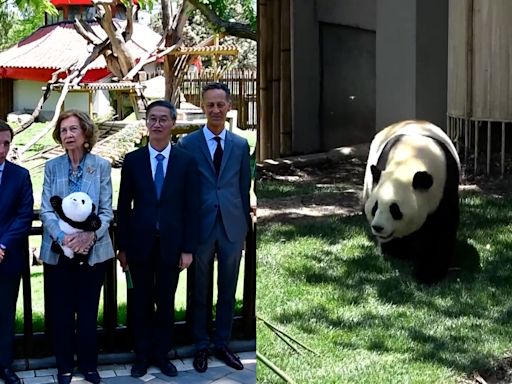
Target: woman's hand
x=80, y=242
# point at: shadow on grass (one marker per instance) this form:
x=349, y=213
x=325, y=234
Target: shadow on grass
x=454, y=323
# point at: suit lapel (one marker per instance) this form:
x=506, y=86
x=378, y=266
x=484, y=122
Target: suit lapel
x=228, y=145
x=88, y=172
x=204, y=148
x=62, y=172
x=6, y=175
x=146, y=173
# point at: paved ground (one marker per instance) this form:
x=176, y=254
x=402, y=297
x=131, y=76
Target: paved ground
x=217, y=373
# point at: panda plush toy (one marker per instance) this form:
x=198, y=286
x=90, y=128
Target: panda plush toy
x=76, y=214
x=411, y=196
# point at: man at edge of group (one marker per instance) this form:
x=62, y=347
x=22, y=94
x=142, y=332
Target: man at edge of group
x=16, y=205
x=224, y=167
x=157, y=234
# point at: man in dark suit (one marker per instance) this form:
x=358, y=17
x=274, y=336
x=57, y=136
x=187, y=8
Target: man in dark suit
x=157, y=234
x=16, y=202
x=223, y=161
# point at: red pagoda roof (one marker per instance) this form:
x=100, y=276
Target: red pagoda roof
x=59, y=45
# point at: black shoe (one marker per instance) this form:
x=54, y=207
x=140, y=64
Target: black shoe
x=201, y=361
x=139, y=368
x=64, y=378
x=229, y=358
x=92, y=377
x=9, y=377
x=167, y=367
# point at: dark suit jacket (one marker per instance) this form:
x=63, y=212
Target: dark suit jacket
x=230, y=191
x=177, y=210
x=16, y=201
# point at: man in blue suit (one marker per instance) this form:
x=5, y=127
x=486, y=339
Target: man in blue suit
x=16, y=204
x=157, y=234
x=223, y=160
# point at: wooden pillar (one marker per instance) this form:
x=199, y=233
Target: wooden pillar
x=276, y=78
x=286, y=86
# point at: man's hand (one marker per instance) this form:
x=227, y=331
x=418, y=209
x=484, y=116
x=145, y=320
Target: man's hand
x=2, y=254
x=121, y=256
x=185, y=260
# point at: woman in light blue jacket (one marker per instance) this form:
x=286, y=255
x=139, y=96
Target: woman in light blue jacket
x=74, y=286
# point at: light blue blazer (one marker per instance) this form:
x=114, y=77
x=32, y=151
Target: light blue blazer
x=97, y=183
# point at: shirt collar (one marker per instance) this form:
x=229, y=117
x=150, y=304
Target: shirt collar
x=209, y=134
x=166, y=151
x=2, y=166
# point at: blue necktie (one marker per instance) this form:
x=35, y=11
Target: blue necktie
x=159, y=174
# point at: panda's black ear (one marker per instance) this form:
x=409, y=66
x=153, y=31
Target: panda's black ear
x=422, y=180
x=375, y=173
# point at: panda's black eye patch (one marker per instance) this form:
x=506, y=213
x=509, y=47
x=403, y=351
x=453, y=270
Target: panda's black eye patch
x=375, y=207
x=395, y=211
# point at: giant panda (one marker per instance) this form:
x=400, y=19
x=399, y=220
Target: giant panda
x=411, y=196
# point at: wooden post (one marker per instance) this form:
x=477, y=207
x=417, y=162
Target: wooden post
x=276, y=79
x=286, y=77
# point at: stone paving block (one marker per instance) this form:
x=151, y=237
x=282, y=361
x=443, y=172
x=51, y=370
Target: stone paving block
x=250, y=367
x=122, y=380
x=215, y=373
x=227, y=380
x=104, y=373
x=46, y=372
x=113, y=367
x=190, y=378
x=245, y=376
x=147, y=377
x=24, y=374
x=122, y=372
x=39, y=380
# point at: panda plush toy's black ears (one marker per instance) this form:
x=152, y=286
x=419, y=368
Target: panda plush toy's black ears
x=422, y=180
x=376, y=172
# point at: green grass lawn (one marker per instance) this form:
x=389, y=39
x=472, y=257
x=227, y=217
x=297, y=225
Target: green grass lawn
x=323, y=282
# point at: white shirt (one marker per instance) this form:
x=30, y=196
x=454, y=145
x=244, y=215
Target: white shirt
x=212, y=143
x=152, y=155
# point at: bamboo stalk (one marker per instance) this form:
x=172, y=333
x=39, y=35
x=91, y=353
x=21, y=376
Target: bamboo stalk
x=274, y=368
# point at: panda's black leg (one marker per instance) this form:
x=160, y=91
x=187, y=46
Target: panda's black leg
x=432, y=262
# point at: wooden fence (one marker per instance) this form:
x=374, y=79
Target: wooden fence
x=242, y=85
x=114, y=337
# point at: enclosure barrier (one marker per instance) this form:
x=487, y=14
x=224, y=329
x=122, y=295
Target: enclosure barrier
x=472, y=137
x=113, y=337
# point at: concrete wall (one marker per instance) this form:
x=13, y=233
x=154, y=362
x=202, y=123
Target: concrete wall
x=347, y=111
x=351, y=13
x=305, y=57
x=412, y=61
x=332, y=50
x=26, y=95
x=308, y=69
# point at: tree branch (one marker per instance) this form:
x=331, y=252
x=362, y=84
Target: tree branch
x=231, y=28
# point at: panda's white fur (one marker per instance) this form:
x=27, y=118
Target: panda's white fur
x=410, y=155
x=410, y=195
x=77, y=206
x=413, y=128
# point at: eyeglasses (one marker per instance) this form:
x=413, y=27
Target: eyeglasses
x=152, y=120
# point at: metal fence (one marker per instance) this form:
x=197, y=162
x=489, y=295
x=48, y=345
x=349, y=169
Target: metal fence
x=114, y=337
x=242, y=85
